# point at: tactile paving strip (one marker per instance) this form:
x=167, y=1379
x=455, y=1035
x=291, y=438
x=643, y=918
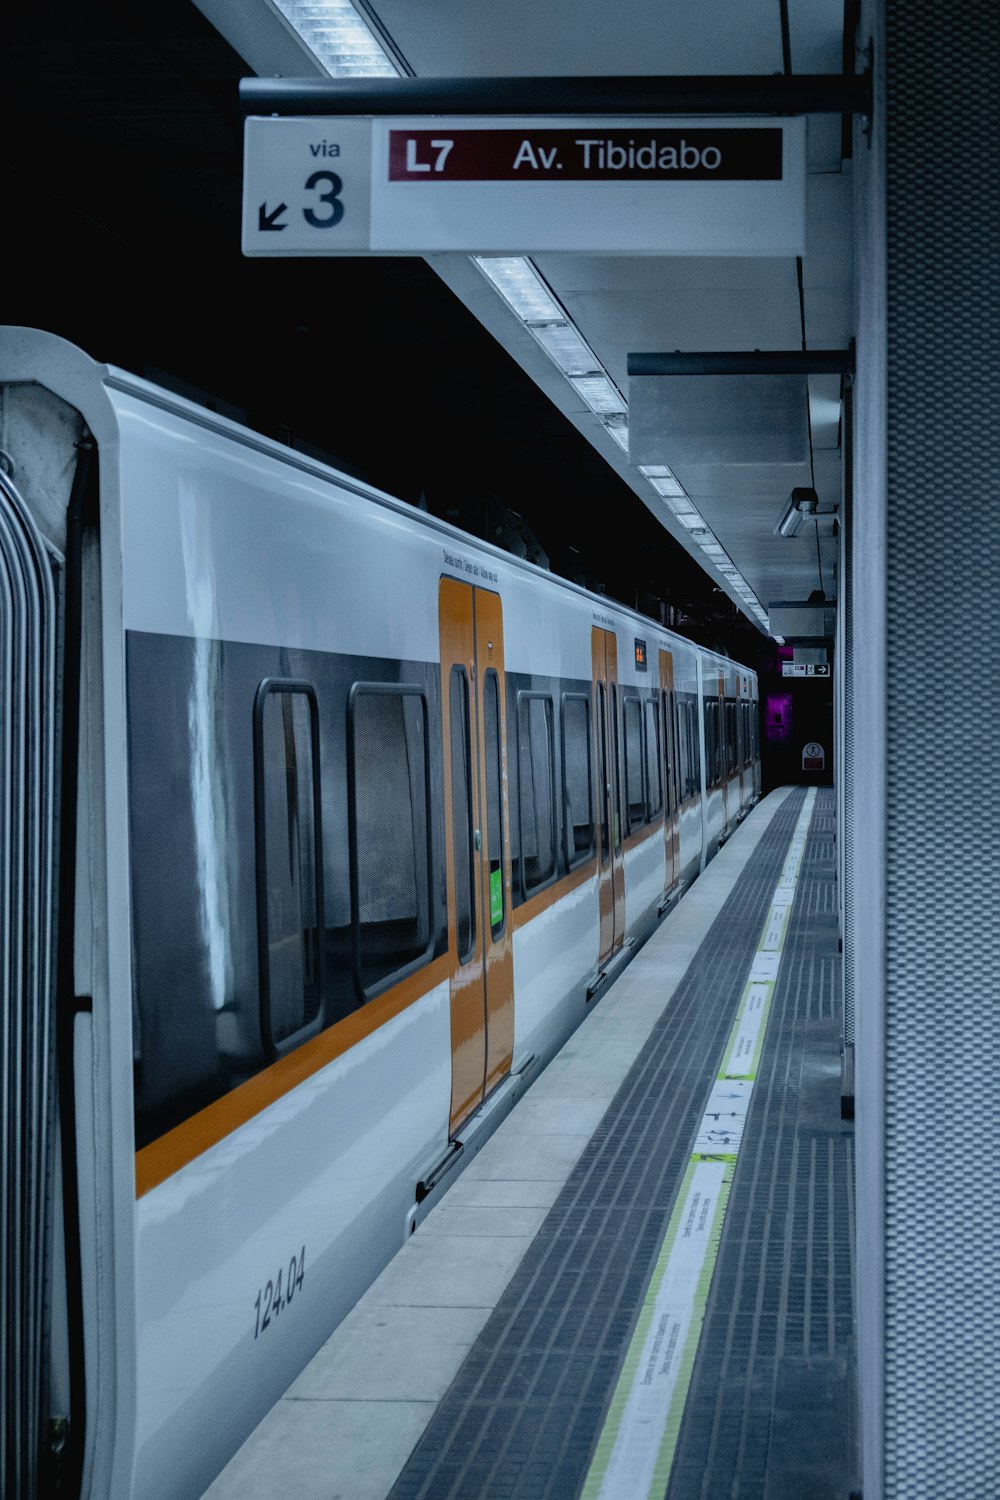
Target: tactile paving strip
x=520, y=1420
x=771, y=1408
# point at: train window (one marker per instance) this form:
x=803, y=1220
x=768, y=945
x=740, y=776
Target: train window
x=578, y=800
x=635, y=789
x=685, y=745
x=615, y=773
x=696, y=768
x=683, y=749
x=603, y=787
x=654, y=784
x=494, y=803
x=535, y=779
x=732, y=750
x=289, y=863
x=713, y=747
x=389, y=824
x=669, y=755
x=461, y=812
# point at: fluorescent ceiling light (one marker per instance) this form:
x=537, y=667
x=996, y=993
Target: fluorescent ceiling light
x=662, y=479
x=600, y=394
x=666, y=486
x=526, y=294
x=617, y=426
x=338, y=37
x=520, y=285
x=562, y=343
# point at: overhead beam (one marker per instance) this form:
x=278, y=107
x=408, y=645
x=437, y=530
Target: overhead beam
x=742, y=362
x=767, y=94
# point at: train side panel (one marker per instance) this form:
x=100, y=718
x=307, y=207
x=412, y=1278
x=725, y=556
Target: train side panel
x=264, y=634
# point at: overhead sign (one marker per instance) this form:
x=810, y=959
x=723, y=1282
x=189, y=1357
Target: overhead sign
x=318, y=186
x=805, y=669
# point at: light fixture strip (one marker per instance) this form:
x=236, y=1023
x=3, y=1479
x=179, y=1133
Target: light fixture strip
x=527, y=295
x=339, y=37
x=344, y=44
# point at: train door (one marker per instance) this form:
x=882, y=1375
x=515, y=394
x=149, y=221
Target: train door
x=473, y=706
x=671, y=816
x=611, y=873
x=29, y=617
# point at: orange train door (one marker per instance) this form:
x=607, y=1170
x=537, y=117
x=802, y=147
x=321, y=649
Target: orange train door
x=473, y=707
x=671, y=817
x=611, y=874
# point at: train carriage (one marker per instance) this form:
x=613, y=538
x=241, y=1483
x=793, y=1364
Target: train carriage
x=340, y=820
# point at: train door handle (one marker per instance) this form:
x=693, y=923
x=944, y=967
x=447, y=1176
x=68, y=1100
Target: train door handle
x=477, y=840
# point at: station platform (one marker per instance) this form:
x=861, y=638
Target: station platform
x=643, y=1284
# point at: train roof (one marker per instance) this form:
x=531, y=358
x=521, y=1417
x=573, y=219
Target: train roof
x=35, y=355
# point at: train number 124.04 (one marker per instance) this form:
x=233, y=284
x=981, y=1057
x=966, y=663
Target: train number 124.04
x=279, y=1293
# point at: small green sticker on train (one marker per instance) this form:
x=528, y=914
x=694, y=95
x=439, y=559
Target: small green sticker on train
x=496, y=897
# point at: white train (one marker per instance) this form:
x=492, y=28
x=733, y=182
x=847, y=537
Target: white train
x=322, y=826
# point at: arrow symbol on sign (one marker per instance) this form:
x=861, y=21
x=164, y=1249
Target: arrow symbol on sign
x=267, y=220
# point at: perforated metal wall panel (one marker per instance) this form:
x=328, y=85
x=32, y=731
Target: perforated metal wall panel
x=846, y=616
x=942, y=1022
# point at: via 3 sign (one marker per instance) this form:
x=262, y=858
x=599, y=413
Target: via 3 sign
x=314, y=186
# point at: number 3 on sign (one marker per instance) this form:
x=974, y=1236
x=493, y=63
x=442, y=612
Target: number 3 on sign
x=334, y=211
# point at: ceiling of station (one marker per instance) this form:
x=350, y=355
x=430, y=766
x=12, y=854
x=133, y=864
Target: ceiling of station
x=628, y=304
x=124, y=161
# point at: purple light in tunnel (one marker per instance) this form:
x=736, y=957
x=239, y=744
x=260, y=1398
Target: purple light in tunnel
x=777, y=716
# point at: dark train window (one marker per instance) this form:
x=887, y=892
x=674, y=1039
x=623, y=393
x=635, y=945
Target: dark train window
x=732, y=751
x=461, y=812
x=389, y=831
x=696, y=749
x=654, y=785
x=713, y=747
x=688, y=758
x=578, y=801
x=635, y=788
x=669, y=766
x=494, y=802
x=616, y=800
x=603, y=788
x=535, y=778
x=289, y=863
